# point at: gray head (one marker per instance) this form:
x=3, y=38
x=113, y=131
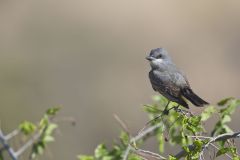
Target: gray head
x=158, y=57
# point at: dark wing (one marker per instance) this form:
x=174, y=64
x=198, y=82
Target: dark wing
x=166, y=85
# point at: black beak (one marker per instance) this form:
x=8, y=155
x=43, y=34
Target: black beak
x=150, y=58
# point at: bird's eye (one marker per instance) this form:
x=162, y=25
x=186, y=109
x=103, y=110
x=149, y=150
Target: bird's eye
x=159, y=56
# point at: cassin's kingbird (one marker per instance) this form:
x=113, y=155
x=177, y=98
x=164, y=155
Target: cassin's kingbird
x=169, y=81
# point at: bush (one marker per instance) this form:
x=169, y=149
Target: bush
x=178, y=128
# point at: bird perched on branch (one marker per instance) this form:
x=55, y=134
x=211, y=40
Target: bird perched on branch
x=169, y=81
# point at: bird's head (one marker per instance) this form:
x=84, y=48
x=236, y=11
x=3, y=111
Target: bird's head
x=158, y=57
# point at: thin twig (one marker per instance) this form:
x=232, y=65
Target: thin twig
x=200, y=137
x=148, y=154
x=126, y=153
x=149, y=122
x=122, y=124
x=72, y=120
x=12, y=134
x=147, y=131
x=138, y=137
x=7, y=147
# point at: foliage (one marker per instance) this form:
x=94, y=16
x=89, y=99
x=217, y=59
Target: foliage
x=103, y=153
x=179, y=128
x=38, y=135
x=45, y=131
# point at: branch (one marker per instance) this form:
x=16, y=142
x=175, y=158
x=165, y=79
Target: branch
x=15, y=155
x=121, y=123
x=6, y=146
x=138, y=137
x=27, y=144
x=12, y=134
x=221, y=137
x=147, y=155
x=145, y=132
x=225, y=136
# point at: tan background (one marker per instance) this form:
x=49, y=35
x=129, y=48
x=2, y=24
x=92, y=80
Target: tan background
x=88, y=56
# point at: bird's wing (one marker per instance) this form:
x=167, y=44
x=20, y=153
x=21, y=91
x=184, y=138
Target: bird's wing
x=164, y=83
x=168, y=85
x=179, y=79
x=185, y=80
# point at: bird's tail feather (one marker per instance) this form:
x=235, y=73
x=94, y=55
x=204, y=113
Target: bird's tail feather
x=192, y=97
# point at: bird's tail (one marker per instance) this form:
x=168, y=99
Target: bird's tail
x=192, y=97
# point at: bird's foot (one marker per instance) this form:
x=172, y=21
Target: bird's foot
x=184, y=112
x=166, y=111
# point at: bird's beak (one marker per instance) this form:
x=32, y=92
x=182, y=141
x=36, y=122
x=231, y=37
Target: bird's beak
x=150, y=58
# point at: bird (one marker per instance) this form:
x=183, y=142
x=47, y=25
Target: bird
x=170, y=81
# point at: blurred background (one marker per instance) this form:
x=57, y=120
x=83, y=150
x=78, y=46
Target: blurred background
x=89, y=56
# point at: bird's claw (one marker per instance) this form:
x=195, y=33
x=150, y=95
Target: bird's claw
x=165, y=112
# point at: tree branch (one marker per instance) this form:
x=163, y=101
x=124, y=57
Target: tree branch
x=221, y=137
x=138, y=137
x=12, y=134
x=27, y=144
x=145, y=132
x=7, y=147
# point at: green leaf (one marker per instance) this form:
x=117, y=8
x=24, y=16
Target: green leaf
x=157, y=98
x=236, y=158
x=50, y=128
x=52, y=111
x=124, y=137
x=230, y=109
x=223, y=151
x=152, y=109
x=44, y=121
x=84, y=157
x=226, y=129
x=33, y=155
x=225, y=119
x=37, y=149
x=193, y=124
x=224, y=101
x=162, y=101
x=170, y=157
x=134, y=157
x=107, y=158
x=207, y=113
x=27, y=127
x=48, y=138
x=186, y=149
x=117, y=151
x=161, y=141
x=234, y=151
x=198, y=145
x=101, y=151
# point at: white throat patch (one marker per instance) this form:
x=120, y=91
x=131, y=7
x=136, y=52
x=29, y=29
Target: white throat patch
x=157, y=61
